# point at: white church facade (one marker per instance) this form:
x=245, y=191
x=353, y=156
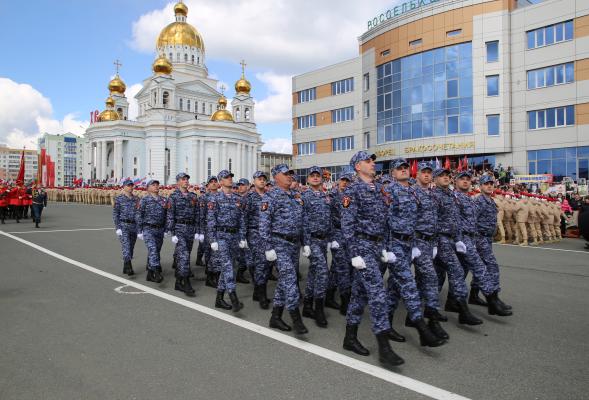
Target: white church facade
x=182, y=123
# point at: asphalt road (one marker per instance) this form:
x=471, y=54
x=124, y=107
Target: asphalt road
x=66, y=333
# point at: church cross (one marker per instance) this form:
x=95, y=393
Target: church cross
x=117, y=64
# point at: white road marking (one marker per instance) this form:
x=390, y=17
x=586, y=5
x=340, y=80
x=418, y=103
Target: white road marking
x=120, y=290
x=541, y=248
x=64, y=230
x=361, y=366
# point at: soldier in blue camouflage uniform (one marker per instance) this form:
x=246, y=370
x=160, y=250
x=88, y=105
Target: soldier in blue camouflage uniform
x=256, y=258
x=364, y=228
x=226, y=231
x=212, y=270
x=242, y=190
x=471, y=261
x=317, y=235
x=202, y=204
x=183, y=223
x=449, y=243
x=425, y=241
x=151, y=224
x=340, y=271
x=402, y=218
x=281, y=227
x=123, y=215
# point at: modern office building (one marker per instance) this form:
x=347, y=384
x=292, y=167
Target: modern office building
x=500, y=81
x=67, y=151
x=10, y=163
x=269, y=160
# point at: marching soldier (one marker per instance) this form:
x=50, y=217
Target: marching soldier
x=242, y=190
x=4, y=193
x=38, y=202
x=123, y=215
x=212, y=271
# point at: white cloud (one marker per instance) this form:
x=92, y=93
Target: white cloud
x=279, y=35
x=25, y=114
x=278, y=145
x=277, y=106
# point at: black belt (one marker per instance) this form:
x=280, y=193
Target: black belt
x=320, y=236
x=128, y=221
x=227, y=230
x=185, y=221
x=448, y=235
x=469, y=234
x=288, y=238
x=34, y=202
x=337, y=225
x=372, y=238
x=423, y=236
x=488, y=235
x=155, y=226
x=401, y=237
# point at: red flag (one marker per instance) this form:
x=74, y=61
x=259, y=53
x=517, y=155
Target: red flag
x=414, y=168
x=21, y=170
x=447, y=163
x=465, y=163
x=459, y=169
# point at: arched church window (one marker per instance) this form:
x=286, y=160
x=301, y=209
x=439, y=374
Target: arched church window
x=210, y=108
x=181, y=104
x=247, y=114
x=154, y=98
x=187, y=105
x=230, y=165
x=185, y=57
x=193, y=58
x=237, y=113
x=120, y=111
x=195, y=106
x=166, y=98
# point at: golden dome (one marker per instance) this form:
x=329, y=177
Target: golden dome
x=109, y=115
x=180, y=32
x=180, y=8
x=242, y=86
x=162, y=66
x=116, y=85
x=110, y=102
x=222, y=114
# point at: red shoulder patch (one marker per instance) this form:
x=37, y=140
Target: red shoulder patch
x=346, y=200
x=210, y=205
x=264, y=206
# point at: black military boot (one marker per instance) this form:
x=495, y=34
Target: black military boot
x=150, y=276
x=130, y=269
x=240, y=278
x=308, y=308
x=276, y=320
x=256, y=294
x=465, y=317
x=430, y=312
x=209, y=280
x=199, y=261
x=495, y=308
x=434, y=323
x=36, y=224
x=352, y=343
x=235, y=303
x=126, y=267
x=330, y=299
x=345, y=301
x=297, y=322
x=473, y=298
x=392, y=333
x=386, y=355
x=506, y=306
x=264, y=301
x=216, y=276
x=320, y=318
x=183, y=285
x=451, y=304
x=220, y=301
x=426, y=336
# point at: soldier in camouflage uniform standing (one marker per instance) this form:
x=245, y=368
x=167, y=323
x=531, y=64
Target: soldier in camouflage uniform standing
x=123, y=215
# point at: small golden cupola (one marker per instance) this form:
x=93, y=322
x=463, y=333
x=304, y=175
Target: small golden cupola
x=117, y=86
x=161, y=65
x=109, y=114
x=242, y=86
x=222, y=114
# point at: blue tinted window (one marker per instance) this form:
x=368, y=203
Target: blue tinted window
x=570, y=115
x=532, y=120
x=452, y=88
x=570, y=72
x=549, y=35
x=583, y=151
x=541, y=118
x=493, y=85
x=550, y=118
x=532, y=168
x=544, y=154
x=493, y=125
x=452, y=125
x=544, y=167
x=568, y=30
x=532, y=155
x=531, y=39
x=492, y=51
x=560, y=116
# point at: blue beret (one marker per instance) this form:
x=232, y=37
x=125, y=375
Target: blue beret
x=360, y=156
x=258, y=174
x=486, y=179
x=440, y=171
x=424, y=165
x=463, y=174
x=182, y=175
x=281, y=169
x=399, y=162
x=243, y=181
x=224, y=174
x=314, y=169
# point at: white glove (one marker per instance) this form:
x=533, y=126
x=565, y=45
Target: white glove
x=434, y=252
x=167, y=233
x=271, y=255
x=388, y=257
x=201, y=238
x=140, y=236
x=460, y=247
x=174, y=239
x=196, y=236
x=415, y=253
x=306, y=251
x=358, y=263
x=328, y=246
x=214, y=246
x=334, y=245
x=119, y=232
x=242, y=244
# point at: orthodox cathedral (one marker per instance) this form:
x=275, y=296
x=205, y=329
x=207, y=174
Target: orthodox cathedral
x=183, y=124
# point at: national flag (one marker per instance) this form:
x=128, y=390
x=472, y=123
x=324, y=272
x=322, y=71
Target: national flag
x=447, y=164
x=21, y=170
x=438, y=164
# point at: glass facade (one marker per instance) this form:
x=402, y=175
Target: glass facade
x=550, y=34
x=426, y=94
x=550, y=76
x=69, y=160
x=551, y=117
x=567, y=161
